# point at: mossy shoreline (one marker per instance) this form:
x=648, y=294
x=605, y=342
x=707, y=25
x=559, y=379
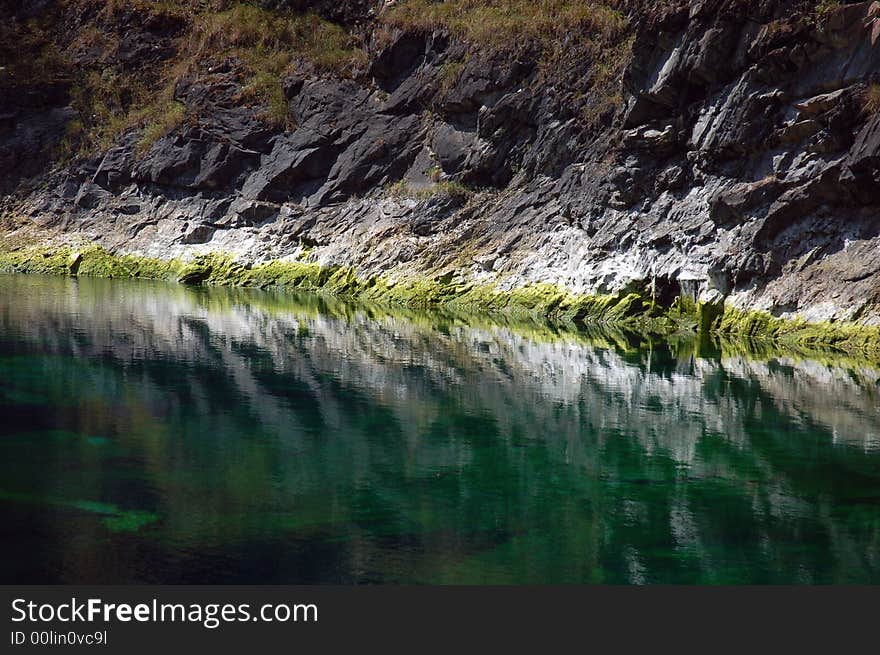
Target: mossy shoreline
x=632, y=310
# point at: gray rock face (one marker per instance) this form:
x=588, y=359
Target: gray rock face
x=27, y=140
x=742, y=163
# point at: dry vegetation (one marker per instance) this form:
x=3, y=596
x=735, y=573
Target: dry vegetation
x=503, y=23
x=567, y=33
x=824, y=7
x=871, y=99
x=402, y=190
x=267, y=46
x=43, y=62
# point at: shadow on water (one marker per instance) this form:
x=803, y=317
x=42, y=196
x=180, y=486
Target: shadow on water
x=158, y=433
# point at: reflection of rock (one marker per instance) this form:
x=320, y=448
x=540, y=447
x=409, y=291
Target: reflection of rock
x=297, y=371
x=664, y=405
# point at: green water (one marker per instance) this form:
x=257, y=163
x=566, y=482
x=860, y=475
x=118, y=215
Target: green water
x=155, y=433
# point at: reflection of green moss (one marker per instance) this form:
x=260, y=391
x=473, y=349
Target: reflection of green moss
x=91, y=506
x=630, y=310
x=129, y=521
x=450, y=484
x=798, y=334
x=114, y=518
x=49, y=435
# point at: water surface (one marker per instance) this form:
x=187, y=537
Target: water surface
x=160, y=434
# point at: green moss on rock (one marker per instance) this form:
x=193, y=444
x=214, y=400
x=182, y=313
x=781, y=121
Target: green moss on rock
x=800, y=334
x=92, y=261
x=709, y=315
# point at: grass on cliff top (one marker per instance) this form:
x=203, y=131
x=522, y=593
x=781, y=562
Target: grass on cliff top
x=502, y=23
x=586, y=43
x=267, y=44
x=254, y=32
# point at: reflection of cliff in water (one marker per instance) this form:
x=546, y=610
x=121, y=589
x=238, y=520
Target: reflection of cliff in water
x=462, y=453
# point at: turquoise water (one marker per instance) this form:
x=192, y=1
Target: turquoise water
x=156, y=433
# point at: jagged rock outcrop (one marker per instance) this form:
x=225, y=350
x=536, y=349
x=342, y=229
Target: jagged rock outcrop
x=741, y=161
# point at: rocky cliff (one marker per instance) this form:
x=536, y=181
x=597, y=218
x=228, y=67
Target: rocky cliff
x=721, y=150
